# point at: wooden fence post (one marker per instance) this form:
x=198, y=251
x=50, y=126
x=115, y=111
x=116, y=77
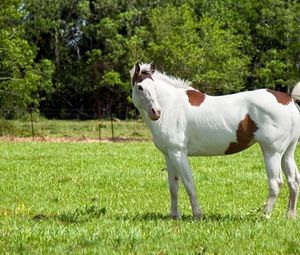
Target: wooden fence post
x=99, y=122
x=31, y=120
x=112, y=127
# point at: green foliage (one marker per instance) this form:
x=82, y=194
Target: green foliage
x=86, y=48
x=175, y=43
x=224, y=66
x=21, y=78
x=200, y=51
x=113, y=198
x=268, y=33
x=111, y=78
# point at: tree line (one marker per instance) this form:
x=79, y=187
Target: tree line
x=74, y=56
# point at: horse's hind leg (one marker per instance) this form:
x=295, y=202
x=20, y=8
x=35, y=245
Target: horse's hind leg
x=293, y=178
x=273, y=168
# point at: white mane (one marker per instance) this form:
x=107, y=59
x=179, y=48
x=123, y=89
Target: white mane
x=171, y=80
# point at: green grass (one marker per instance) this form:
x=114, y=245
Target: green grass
x=72, y=129
x=112, y=198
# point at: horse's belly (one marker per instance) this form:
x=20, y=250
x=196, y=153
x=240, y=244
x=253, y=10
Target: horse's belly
x=201, y=149
x=207, y=145
x=216, y=150
x=216, y=142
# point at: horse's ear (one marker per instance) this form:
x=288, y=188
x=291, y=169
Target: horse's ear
x=137, y=68
x=152, y=68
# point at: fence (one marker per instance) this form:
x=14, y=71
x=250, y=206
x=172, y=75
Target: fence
x=35, y=127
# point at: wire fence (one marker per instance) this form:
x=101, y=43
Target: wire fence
x=35, y=127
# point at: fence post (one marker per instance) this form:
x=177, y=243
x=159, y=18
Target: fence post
x=99, y=122
x=112, y=127
x=31, y=120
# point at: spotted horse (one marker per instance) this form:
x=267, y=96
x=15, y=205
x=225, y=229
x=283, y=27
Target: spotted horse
x=185, y=122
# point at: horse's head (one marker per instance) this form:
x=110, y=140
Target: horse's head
x=141, y=72
x=144, y=90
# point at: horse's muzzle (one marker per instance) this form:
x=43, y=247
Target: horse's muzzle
x=154, y=114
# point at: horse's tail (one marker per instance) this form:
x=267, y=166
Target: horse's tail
x=296, y=92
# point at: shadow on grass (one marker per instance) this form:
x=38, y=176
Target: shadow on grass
x=254, y=215
x=233, y=218
x=79, y=215
x=87, y=213
x=144, y=217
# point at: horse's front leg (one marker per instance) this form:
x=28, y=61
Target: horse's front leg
x=173, y=180
x=180, y=161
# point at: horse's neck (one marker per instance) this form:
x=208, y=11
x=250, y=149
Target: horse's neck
x=165, y=94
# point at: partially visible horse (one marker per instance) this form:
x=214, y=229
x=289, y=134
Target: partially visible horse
x=185, y=122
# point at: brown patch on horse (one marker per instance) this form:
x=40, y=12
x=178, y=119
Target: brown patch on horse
x=196, y=98
x=244, y=135
x=282, y=98
x=139, y=75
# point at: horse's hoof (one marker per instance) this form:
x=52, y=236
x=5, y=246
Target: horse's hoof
x=197, y=217
x=266, y=216
x=291, y=216
x=175, y=217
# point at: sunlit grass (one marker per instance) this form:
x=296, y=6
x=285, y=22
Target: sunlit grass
x=112, y=198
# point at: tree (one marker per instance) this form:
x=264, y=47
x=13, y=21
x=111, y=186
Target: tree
x=270, y=35
x=22, y=81
x=279, y=32
x=200, y=51
x=86, y=48
x=87, y=41
x=55, y=27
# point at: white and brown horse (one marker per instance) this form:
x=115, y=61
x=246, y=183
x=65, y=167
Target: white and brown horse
x=185, y=122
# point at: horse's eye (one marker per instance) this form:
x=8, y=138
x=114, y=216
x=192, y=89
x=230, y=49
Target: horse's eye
x=140, y=87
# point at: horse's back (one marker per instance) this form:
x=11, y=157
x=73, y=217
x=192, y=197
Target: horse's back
x=229, y=124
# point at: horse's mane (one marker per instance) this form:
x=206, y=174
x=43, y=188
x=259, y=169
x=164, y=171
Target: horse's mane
x=171, y=80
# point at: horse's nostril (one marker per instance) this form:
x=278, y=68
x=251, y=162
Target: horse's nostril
x=156, y=112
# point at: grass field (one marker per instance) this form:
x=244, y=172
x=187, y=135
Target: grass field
x=112, y=198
